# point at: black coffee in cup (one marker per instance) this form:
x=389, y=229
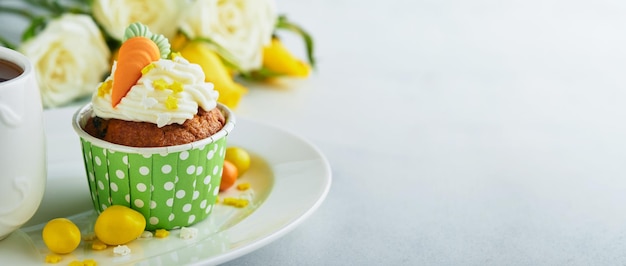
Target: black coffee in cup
x=9, y=70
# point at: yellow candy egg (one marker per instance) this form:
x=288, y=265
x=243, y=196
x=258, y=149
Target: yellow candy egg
x=239, y=157
x=118, y=225
x=61, y=236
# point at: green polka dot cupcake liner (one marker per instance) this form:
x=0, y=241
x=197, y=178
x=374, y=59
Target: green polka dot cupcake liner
x=172, y=186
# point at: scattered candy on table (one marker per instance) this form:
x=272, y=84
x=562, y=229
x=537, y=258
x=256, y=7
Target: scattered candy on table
x=239, y=157
x=243, y=186
x=146, y=234
x=188, y=232
x=76, y=263
x=90, y=262
x=98, y=245
x=119, y=225
x=236, y=202
x=121, y=250
x=53, y=258
x=161, y=233
x=229, y=175
x=87, y=262
x=61, y=236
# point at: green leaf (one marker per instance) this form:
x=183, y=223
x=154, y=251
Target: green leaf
x=36, y=25
x=60, y=7
x=34, y=2
x=17, y=11
x=260, y=74
x=6, y=43
x=285, y=24
x=57, y=7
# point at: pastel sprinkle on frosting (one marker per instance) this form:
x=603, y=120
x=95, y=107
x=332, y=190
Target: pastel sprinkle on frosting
x=147, y=69
x=175, y=55
x=105, y=88
x=160, y=84
x=176, y=87
x=171, y=103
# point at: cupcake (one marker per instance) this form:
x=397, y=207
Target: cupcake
x=154, y=137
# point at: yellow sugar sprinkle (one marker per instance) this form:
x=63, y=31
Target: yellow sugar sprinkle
x=217, y=199
x=105, y=88
x=76, y=263
x=175, y=54
x=90, y=262
x=176, y=87
x=171, y=103
x=160, y=84
x=147, y=68
x=161, y=233
x=52, y=258
x=98, y=245
x=235, y=202
x=243, y=186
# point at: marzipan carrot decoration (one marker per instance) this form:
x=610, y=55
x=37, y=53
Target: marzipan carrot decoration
x=134, y=54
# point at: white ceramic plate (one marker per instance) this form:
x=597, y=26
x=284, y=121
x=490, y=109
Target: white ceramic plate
x=289, y=178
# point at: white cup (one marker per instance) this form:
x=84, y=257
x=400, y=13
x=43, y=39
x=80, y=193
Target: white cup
x=22, y=145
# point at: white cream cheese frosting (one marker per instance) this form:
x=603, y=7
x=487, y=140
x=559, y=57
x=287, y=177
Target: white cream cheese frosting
x=168, y=92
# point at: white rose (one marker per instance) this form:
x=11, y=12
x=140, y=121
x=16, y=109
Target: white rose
x=242, y=27
x=161, y=16
x=70, y=58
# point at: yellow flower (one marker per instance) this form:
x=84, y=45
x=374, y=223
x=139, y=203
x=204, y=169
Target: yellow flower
x=216, y=72
x=161, y=16
x=277, y=59
x=241, y=27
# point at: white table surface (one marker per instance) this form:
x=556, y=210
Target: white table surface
x=459, y=133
